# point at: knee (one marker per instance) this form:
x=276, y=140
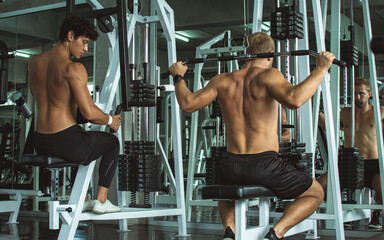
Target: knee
x=318, y=191
x=115, y=141
x=323, y=181
x=112, y=144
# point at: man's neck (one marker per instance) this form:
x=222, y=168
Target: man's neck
x=362, y=110
x=62, y=49
x=261, y=63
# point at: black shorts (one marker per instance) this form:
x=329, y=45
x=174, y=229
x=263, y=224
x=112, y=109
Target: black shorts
x=76, y=145
x=371, y=168
x=265, y=169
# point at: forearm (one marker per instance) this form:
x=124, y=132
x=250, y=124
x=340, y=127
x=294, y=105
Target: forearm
x=188, y=101
x=94, y=115
x=193, y=101
x=306, y=89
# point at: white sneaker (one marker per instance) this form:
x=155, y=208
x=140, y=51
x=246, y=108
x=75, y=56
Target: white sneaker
x=88, y=205
x=106, y=207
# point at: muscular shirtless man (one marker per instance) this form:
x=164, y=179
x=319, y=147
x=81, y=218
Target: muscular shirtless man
x=59, y=87
x=365, y=140
x=249, y=100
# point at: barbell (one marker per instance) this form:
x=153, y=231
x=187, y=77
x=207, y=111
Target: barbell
x=247, y=57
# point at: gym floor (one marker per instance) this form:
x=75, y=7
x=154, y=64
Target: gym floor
x=35, y=227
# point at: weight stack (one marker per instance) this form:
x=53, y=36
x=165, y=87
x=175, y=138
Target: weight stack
x=142, y=94
x=123, y=173
x=291, y=147
x=351, y=169
x=294, y=153
x=160, y=109
x=349, y=53
x=143, y=167
x=216, y=110
x=301, y=161
x=212, y=165
x=287, y=23
x=278, y=25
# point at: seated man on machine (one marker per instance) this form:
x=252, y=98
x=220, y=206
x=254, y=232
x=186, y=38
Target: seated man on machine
x=365, y=140
x=249, y=100
x=59, y=87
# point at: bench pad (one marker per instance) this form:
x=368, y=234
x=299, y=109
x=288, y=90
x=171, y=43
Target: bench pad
x=45, y=161
x=235, y=192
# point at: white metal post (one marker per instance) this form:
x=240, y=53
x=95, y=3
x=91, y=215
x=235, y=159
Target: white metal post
x=166, y=16
x=324, y=8
x=240, y=218
x=305, y=111
x=79, y=190
x=304, y=64
x=194, y=121
x=15, y=212
x=331, y=141
x=335, y=91
x=335, y=70
x=257, y=15
x=374, y=89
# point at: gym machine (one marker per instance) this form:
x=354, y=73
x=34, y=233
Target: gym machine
x=11, y=206
x=307, y=136
x=70, y=213
x=202, y=52
x=356, y=201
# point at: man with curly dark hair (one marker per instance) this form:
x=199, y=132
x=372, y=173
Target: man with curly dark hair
x=80, y=26
x=59, y=87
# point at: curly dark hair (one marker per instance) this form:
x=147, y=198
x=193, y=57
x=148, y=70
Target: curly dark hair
x=79, y=25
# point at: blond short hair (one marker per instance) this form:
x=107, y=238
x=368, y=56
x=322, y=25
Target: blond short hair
x=260, y=42
x=363, y=81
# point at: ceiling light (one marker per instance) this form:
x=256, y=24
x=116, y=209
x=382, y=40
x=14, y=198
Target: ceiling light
x=182, y=38
x=20, y=54
x=24, y=55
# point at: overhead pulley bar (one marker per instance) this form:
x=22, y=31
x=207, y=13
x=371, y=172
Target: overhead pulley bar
x=246, y=57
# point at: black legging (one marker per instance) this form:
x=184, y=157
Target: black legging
x=76, y=145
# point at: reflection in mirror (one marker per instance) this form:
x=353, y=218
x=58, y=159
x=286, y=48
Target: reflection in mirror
x=24, y=37
x=14, y=110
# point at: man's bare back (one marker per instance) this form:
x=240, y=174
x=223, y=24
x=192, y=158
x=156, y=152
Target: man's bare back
x=249, y=101
x=60, y=88
x=48, y=80
x=365, y=131
x=248, y=115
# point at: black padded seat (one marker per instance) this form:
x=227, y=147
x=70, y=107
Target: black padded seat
x=45, y=161
x=235, y=192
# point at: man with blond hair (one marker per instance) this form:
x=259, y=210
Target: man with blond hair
x=249, y=100
x=365, y=140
